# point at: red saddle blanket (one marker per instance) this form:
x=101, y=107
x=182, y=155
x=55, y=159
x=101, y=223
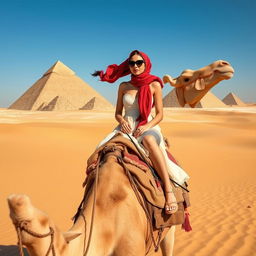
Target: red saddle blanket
x=148, y=186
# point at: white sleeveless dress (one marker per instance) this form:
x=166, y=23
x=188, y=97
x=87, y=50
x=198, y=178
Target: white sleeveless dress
x=131, y=108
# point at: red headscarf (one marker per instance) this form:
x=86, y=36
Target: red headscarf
x=141, y=81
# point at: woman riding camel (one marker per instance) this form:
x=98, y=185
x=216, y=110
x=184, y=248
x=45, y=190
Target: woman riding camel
x=137, y=97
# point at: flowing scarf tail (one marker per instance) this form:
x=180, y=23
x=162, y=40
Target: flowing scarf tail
x=145, y=105
x=113, y=72
x=145, y=98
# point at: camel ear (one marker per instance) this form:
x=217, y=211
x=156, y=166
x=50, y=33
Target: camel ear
x=69, y=235
x=200, y=84
x=169, y=79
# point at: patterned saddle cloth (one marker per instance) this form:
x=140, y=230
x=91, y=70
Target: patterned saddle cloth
x=149, y=187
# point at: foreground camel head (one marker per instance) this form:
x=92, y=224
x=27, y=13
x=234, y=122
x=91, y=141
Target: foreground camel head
x=26, y=217
x=192, y=85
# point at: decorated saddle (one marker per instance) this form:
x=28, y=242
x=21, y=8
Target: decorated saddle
x=143, y=180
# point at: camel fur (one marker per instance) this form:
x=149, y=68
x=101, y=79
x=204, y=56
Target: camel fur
x=120, y=225
x=192, y=85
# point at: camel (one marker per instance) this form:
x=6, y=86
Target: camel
x=120, y=226
x=192, y=85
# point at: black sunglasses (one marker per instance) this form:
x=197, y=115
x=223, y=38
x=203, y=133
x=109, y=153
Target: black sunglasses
x=137, y=62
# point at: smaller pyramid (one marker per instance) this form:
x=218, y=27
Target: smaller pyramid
x=171, y=100
x=56, y=103
x=232, y=99
x=96, y=103
x=208, y=101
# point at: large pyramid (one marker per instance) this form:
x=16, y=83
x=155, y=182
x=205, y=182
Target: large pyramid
x=171, y=100
x=208, y=101
x=60, y=89
x=232, y=99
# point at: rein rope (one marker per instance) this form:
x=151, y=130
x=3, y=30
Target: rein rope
x=143, y=205
x=22, y=227
x=106, y=151
x=93, y=207
x=111, y=151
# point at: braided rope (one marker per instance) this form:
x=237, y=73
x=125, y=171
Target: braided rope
x=143, y=205
x=93, y=207
x=22, y=227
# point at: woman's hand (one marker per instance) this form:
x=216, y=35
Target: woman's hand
x=140, y=130
x=125, y=127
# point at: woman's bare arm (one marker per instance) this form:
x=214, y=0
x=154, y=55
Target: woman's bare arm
x=119, y=104
x=156, y=90
x=157, y=94
x=125, y=126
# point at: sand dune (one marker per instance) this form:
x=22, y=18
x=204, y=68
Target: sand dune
x=43, y=154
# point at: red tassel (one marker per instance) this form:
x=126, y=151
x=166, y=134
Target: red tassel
x=158, y=184
x=186, y=225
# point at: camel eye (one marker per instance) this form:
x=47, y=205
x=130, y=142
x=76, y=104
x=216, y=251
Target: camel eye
x=186, y=79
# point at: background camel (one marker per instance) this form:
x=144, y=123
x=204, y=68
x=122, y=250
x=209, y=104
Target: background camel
x=120, y=226
x=192, y=85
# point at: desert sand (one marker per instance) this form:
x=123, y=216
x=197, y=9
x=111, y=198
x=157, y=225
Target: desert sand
x=43, y=155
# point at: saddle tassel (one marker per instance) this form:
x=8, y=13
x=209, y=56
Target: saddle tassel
x=186, y=225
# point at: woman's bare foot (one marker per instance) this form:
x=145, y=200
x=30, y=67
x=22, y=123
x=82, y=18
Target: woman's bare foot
x=171, y=205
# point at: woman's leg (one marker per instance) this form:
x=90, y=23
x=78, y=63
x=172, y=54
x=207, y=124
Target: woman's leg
x=159, y=163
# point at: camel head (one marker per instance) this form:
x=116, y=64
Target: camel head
x=192, y=85
x=26, y=217
x=218, y=70
x=23, y=213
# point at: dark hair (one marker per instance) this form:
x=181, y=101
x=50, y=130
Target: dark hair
x=96, y=73
x=134, y=53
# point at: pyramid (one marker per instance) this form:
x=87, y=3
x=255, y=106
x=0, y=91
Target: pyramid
x=232, y=99
x=95, y=103
x=171, y=100
x=208, y=101
x=59, y=89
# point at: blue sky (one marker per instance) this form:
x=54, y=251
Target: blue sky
x=89, y=35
